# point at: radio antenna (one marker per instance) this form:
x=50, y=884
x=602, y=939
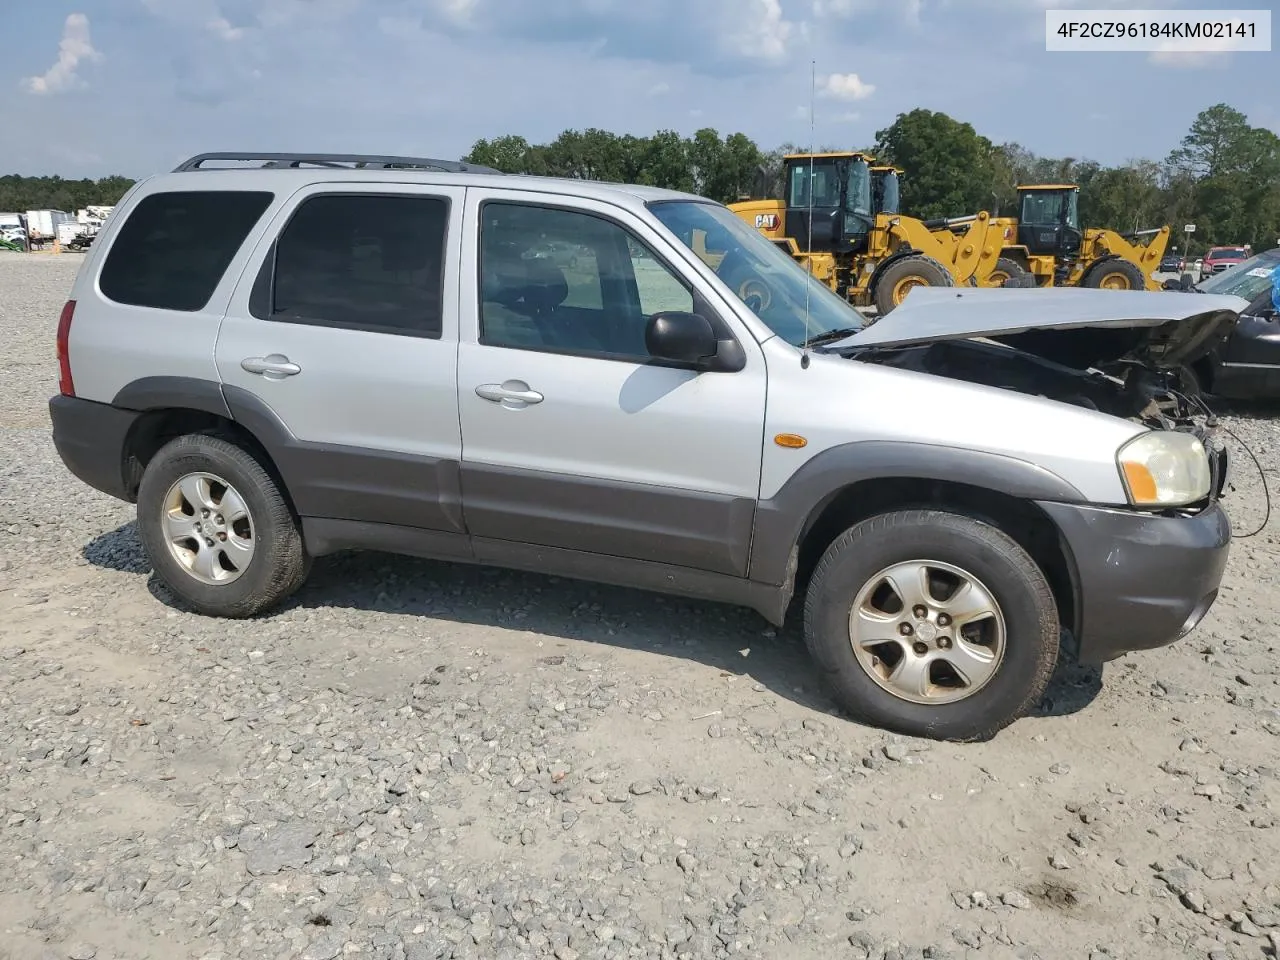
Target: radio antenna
x=808, y=252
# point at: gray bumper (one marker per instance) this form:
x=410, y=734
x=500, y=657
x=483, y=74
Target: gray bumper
x=1141, y=581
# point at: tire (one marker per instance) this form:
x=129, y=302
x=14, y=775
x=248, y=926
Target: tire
x=1023, y=605
x=1006, y=270
x=1114, y=274
x=252, y=578
x=900, y=276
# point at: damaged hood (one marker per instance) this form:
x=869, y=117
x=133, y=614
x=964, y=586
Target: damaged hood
x=1074, y=325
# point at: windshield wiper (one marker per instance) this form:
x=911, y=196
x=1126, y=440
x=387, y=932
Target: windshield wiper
x=831, y=336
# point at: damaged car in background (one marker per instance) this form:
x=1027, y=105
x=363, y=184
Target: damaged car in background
x=1246, y=364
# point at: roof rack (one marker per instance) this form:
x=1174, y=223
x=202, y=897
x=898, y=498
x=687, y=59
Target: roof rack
x=354, y=160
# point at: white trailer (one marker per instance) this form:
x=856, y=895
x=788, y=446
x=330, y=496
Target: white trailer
x=42, y=225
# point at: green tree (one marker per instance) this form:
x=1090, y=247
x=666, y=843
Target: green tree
x=950, y=167
x=1215, y=143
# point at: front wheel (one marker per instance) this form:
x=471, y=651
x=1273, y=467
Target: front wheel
x=217, y=529
x=1115, y=274
x=932, y=624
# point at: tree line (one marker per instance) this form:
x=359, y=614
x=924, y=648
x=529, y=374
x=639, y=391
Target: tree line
x=19, y=194
x=1224, y=176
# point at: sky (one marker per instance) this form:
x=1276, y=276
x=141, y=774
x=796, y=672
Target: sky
x=95, y=87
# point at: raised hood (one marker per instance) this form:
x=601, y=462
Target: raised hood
x=1076, y=326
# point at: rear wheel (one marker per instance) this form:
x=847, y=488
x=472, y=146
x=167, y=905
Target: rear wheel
x=902, y=276
x=1115, y=274
x=217, y=529
x=932, y=624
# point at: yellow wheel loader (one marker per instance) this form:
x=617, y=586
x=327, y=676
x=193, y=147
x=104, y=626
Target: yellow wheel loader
x=1045, y=247
x=863, y=248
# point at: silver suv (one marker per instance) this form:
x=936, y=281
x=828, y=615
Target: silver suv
x=282, y=356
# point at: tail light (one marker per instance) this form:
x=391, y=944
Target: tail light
x=65, y=385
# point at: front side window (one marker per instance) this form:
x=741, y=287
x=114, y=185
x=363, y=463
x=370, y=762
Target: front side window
x=174, y=247
x=370, y=262
x=565, y=281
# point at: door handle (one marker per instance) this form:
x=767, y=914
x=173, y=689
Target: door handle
x=275, y=366
x=510, y=393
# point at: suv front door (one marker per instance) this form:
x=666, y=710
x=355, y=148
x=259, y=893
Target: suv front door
x=339, y=350
x=573, y=437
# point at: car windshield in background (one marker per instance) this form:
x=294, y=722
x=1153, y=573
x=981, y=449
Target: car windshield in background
x=760, y=273
x=1226, y=253
x=1248, y=279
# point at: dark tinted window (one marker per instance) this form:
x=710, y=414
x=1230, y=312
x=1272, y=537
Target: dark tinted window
x=368, y=262
x=174, y=248
x=568, y=282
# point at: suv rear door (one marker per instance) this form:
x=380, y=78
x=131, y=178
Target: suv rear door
x=572, y=438
x=339, y=350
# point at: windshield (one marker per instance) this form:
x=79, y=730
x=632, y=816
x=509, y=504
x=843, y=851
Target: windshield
x=824, y=177
x=887, y=192
x=1226, y=253
x=1051, y=207
x=760, y=273
x=859, y=187
x=1248, y=279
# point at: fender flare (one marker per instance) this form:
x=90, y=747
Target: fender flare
x=784, y=519
x=184, y=393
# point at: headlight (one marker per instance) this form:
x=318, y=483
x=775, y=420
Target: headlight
x=1164, y=468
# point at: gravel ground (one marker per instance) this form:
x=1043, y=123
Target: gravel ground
x=416, y=760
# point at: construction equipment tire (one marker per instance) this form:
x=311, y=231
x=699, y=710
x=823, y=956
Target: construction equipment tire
x=902, y=276
x=1006, y=270
x=1114, y=274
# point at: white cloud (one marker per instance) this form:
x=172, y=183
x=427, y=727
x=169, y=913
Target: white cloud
x=845, y=86
x=458, y=12
x=658, y=89
x=761, y=31
x=221, y=27
x=74, y=48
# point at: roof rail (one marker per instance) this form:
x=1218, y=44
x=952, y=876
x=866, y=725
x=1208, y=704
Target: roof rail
x=353, y=160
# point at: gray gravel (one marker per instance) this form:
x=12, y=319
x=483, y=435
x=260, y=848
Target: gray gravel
x=416, y=760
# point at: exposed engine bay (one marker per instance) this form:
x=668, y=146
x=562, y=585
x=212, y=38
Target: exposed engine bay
x=1122, y=388
x=1129, y=389
x=1121, y=354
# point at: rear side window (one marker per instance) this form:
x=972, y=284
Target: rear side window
x=174, y=248
x=372, y=262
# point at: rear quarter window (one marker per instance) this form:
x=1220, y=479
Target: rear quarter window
x=174, y=247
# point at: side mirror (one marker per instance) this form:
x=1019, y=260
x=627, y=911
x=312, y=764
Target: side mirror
x=685, y=338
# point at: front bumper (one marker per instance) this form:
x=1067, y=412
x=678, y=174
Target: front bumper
x=90, y=438
x=1141, y=581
